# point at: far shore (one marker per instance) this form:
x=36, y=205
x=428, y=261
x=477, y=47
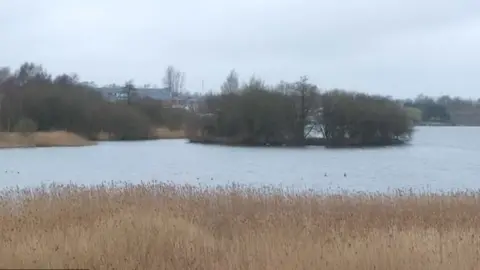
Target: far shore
x=161, y=133
x=310, y=141
x=68, y=139
x=42, y=139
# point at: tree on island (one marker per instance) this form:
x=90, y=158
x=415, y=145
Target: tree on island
x=258, y=114
x=350, y=118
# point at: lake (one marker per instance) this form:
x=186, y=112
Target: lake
x=439, y=158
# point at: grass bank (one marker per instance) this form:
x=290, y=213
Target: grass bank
x=165, y=133
x=41, y=139
x=161, y=226
x=64, y=138
x=156, y=134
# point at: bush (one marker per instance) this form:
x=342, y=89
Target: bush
x=175, y=118
x=126, y=123
x=25, y=125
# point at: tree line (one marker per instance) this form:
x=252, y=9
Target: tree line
x=446, y=109
x=287, y=113
x=31, y=99
x=257, y=114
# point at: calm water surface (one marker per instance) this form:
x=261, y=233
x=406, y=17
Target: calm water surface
x=439, y=158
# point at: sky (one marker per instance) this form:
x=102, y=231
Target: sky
x=400, y=48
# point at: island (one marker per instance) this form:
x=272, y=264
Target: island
x=299, y=114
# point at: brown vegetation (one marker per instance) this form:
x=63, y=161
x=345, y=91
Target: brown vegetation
x=67, y=139
x=159, y=226
x=41, y=139
x=157, y=134
x=33, y=100
x=165, y=133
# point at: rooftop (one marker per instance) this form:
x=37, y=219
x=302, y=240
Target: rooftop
x=155, y=93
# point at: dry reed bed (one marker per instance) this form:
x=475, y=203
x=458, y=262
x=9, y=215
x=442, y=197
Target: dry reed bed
x=42, y=139
x=161, y=133
x=163, y=226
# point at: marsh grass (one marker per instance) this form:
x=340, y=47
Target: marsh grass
x=163, y=226
x=42, y=139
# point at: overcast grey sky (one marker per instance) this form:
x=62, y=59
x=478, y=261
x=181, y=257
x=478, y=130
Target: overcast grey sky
x=393, y=47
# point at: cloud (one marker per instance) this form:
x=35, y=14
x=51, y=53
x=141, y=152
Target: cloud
x=400, y=48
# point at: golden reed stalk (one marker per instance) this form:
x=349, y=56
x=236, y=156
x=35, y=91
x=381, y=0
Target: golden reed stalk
x=164, y=226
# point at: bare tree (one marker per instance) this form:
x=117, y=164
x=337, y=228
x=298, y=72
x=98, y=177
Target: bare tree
x=307, y=107
x=174, y=80
x=254, y=83
x=64, y=79
x=129, y=90
x=31, y=71
x=4, y=74
x=231, y=84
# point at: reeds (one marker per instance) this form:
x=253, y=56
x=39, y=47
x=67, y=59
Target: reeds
x=163, y=226
x=42, y=139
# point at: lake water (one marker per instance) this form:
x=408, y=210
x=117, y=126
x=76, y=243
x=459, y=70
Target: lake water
x=439, y=158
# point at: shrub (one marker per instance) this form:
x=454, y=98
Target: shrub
x=25, y=125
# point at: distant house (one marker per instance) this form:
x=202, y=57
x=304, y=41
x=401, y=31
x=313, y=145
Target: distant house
x=118, y=93
x=114, y=94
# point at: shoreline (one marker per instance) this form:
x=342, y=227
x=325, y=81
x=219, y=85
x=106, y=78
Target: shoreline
x=308, y=142
x=40, y=139
x=44, y=139
x=160, y=133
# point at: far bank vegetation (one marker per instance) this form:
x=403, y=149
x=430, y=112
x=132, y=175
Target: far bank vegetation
x=32, y=100
x=252, y=113
x=288, y=113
